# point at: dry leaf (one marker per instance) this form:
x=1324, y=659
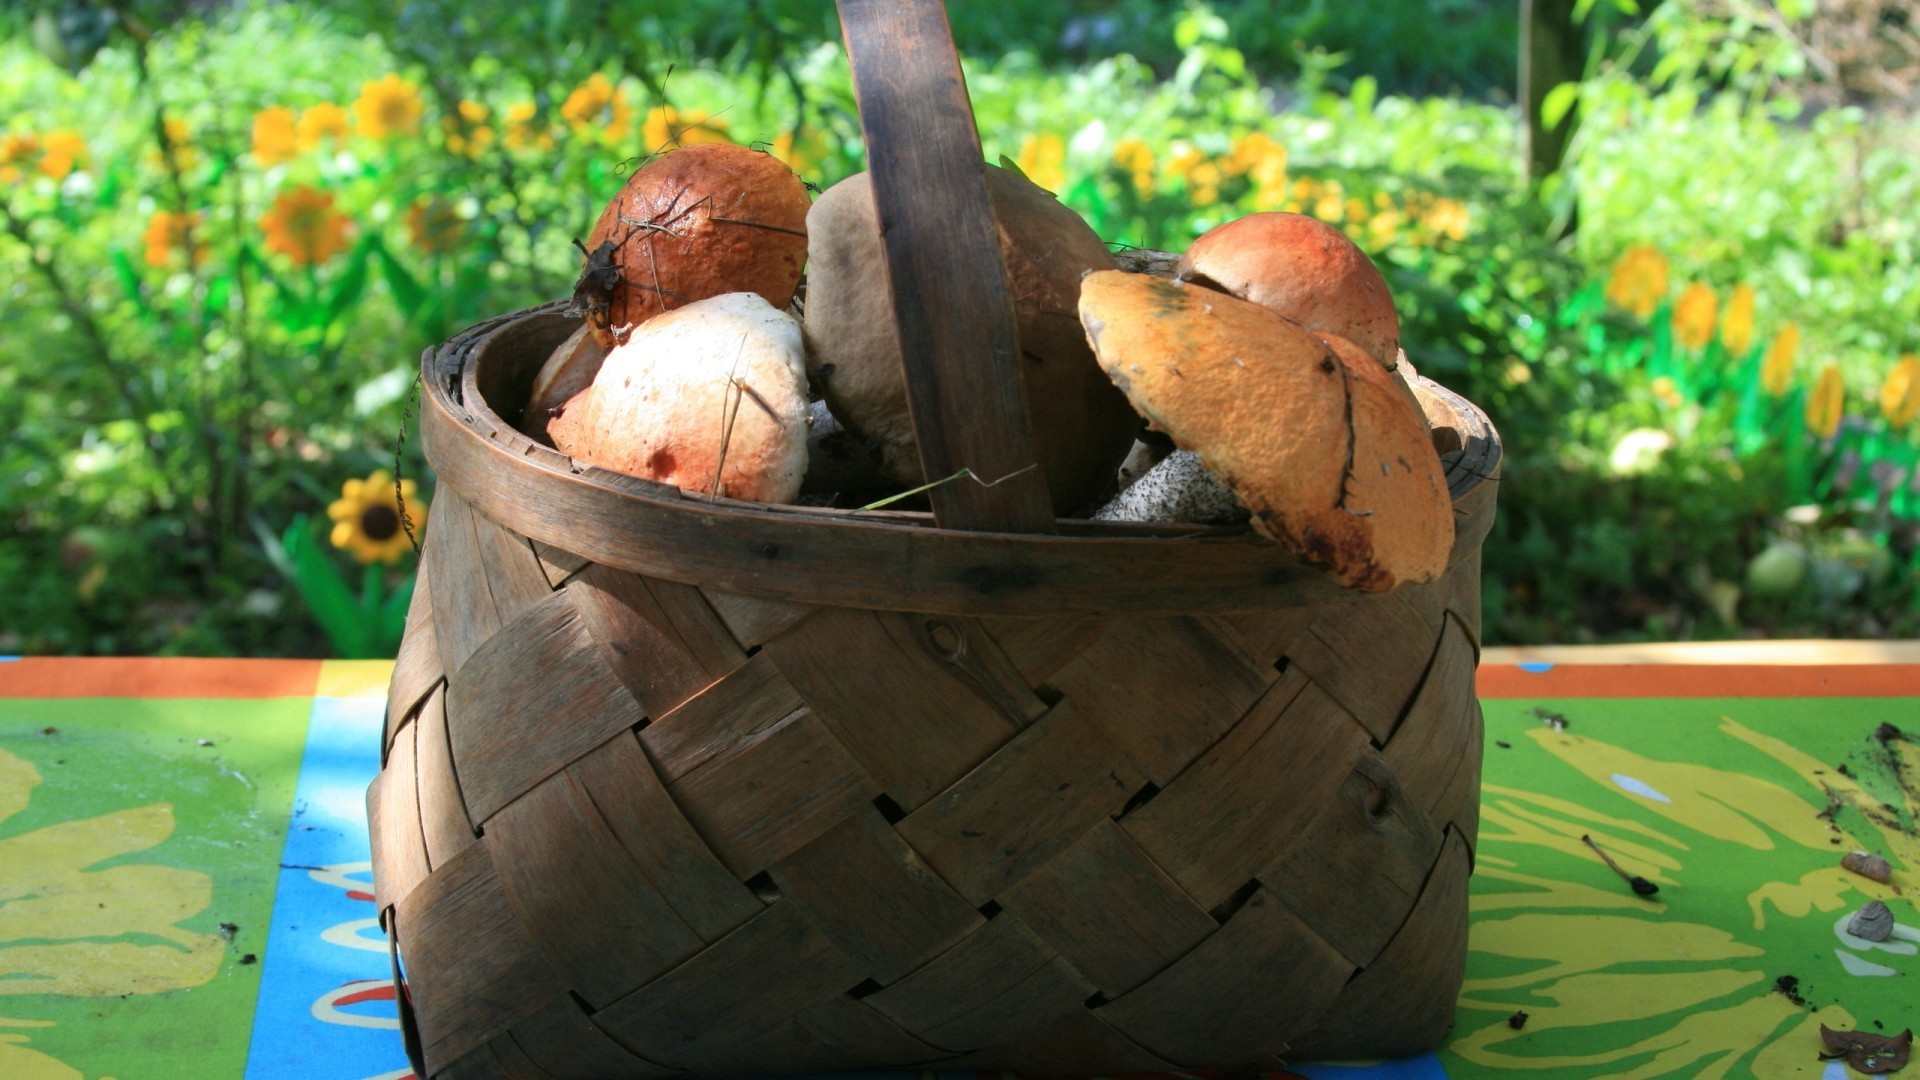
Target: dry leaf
x=1867, y=1052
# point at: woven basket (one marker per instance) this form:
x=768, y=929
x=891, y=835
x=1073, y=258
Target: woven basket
x=676, y=785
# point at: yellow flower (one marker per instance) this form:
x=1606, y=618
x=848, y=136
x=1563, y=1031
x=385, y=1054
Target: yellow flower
x=324, y=120
x=1639, y=280
x=1383, y=227
x=168, y=232
x=1203, y=184
x=1135, y=158
x=1824, y=405
x=1448, y=218
x=1736, y=327
x=64, y=152
x=367, y=522
x=799, y=155
x=275, y=138
x=1667, y=393
x=435, y=226
x=303, y=226
x=599, y=105
x=523, y=130
x=1256, y=151
x=667, y=127
x=388, y=107
x=1900, y=394
x=180, y=143
x=1693, y=316
x=468, y=133
x=1043, y=157
x=17, y=152
x=1776, y=370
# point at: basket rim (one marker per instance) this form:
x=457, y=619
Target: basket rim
x=880, y=560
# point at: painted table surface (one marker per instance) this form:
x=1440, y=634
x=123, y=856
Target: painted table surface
x=184, y=882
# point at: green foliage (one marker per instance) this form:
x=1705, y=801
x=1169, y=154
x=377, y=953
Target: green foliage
x=183, y=417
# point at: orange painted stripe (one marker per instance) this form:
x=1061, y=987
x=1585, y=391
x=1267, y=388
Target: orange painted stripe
x=156, y=677
x=1700, y=681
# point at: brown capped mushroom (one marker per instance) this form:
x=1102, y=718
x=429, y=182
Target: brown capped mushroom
x=569, y=370
x=1082, y=427
x=692, y=223
x=1327, y=453
x=710, y=397
x=1304, y=269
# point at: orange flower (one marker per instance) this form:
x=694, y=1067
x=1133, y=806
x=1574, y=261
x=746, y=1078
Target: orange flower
x=667, y=127
x=17, y=152
x=1900, y=394
x=599, y=107
x=65, y=151
x=274, y=136
x=435, y=225
x=1776, y=370
x=468, y=133
x=168, y=232
x=1448, y=218
x=1736, y=328
x=1043, y=157
x=1135, y=158
x=304, y=226
x=388, y=107
x=1255, y=154
x=523, y=130
x=1693, y=316
x=1826, y=403
x=323, y=120
x=1639, y=280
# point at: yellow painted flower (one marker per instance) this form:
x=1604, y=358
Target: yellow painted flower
x=17, y=154
x=1900, y=394
x=524, y=129
x=323, y=120
x=1736, y=326
x=366, y=518
x=86, y=917
x=1776, y=370
x=275, y=136
x=388, y=107
x=1639, y=280
x=304, y=226
x=169, y=232
x=64, y=151
x=468, y=133
x=435, y=226
x=1693, y=316
x=1825, y=404
x=598, y=107
x=1043, y=157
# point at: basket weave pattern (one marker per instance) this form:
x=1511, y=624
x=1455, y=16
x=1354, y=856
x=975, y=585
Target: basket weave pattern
x=628, y=826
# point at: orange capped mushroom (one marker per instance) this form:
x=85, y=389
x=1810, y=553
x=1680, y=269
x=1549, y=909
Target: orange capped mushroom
x=1319, y=442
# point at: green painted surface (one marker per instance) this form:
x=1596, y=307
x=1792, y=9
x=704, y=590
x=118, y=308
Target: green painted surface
x=125, y=843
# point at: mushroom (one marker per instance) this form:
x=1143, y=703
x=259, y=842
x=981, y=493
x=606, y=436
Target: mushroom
x=692, y=223
x=710, y=397
x=1304, y=269
x=569, y=370
x=1082, y=427
x=1321, y=445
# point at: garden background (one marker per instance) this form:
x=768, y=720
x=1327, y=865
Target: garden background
x=227, y=230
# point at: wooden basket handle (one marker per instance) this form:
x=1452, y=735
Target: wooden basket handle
x=965, y=392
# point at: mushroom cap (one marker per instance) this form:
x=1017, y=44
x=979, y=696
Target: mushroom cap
x=710, y=397
x=1082, y=428
x=568, y=370
x=1304, y=269
x=700, y=221
x=1327, y=453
